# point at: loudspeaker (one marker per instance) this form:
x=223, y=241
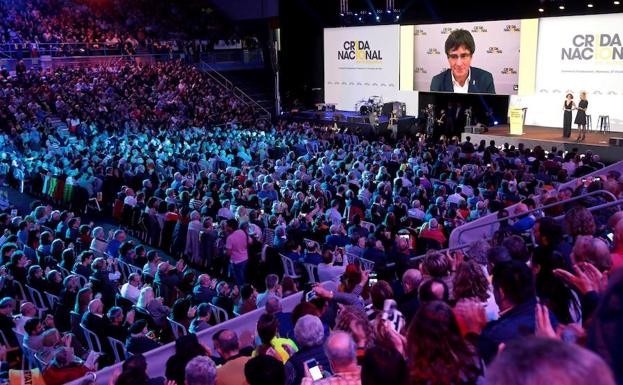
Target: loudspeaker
x=400, y=108
x=617, y=142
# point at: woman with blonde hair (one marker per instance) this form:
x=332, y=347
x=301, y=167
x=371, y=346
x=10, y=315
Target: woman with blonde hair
x=148, y=303
x=580, y=117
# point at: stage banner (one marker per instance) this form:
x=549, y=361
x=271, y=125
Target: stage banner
x=360, y=62
x=516, y=115
x=580, y=53
x=496, y=51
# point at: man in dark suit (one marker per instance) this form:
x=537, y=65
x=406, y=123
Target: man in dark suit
x=461, y=77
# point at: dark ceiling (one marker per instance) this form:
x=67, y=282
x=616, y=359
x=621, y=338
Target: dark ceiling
x=327, y=12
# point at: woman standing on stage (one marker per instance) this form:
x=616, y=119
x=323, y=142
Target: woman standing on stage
x=568, y=108
x=580, y=118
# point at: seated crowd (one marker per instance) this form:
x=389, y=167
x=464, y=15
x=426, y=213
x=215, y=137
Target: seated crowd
x=545, y=297
x=245, y=210
x=77, y=27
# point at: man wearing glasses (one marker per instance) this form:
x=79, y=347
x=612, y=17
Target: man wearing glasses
x=462, y=77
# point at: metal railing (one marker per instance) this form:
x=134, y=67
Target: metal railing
x=461, y=231
x=596, y=208
x=422, y=256
x=34, y=50
x=237, y=92
x=215, y=75
x=234, y=56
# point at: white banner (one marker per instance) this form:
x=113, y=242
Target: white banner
x=580, y=52
x=360, y=62
x=497, y=51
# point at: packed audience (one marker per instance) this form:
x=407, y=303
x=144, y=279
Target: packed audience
x=547, y=294
x=219, y=215
x=31, y=28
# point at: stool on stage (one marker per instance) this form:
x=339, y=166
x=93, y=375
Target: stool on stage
x=589, y=123
x=603, y=122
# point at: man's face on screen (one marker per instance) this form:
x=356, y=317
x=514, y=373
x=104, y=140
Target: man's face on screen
x=460, y=59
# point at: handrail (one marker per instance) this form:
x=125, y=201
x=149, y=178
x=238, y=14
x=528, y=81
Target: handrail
x=251, y=100
x=237, y=92
x=540, y=208
x=420, y=257
x=217, y=76
x=598, y=207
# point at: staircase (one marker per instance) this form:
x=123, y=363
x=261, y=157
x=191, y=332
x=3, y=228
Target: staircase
x=258, y=84
x=252, y=87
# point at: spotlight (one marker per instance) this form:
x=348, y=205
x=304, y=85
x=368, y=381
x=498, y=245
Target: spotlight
x=495, y=122
x=541, y=10
x=590, y=5
x=359, y=19
x=388, y=11
x=616, y=2
x=561, y=7
x=398, y=17
x=378, y=18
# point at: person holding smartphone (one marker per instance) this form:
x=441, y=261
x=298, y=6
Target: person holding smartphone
x=340, y=350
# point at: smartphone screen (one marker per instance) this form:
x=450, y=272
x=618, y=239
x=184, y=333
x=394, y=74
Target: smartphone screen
x=372, y=279
x=310, y=295
x=314, y=369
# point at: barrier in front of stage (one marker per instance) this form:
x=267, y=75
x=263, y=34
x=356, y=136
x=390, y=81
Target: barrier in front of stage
x=244, y=325
x=478, y=229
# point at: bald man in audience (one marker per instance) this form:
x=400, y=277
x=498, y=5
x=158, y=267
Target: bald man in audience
x=232, y=371
x=592, y=250
x=340, y=350
x=409, y=302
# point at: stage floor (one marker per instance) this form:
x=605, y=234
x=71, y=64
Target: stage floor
x=552, y=134
x=548, y=137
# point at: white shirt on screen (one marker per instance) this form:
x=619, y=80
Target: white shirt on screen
x=457, y=87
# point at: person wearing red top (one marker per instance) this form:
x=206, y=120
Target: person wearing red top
x=432, y=230
x=64, y=368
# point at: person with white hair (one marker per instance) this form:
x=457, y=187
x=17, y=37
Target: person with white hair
x=432, y=231
x=309, y=334
x=526, y=220
x=148, y=303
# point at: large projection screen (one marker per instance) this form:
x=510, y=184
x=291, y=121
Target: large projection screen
x=577, y=53
x=360, y=62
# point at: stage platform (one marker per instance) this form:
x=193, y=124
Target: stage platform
x=547, y=137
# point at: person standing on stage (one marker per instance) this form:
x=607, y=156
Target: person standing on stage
x=580, y=117
x=568, y=108
x=442, y=123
